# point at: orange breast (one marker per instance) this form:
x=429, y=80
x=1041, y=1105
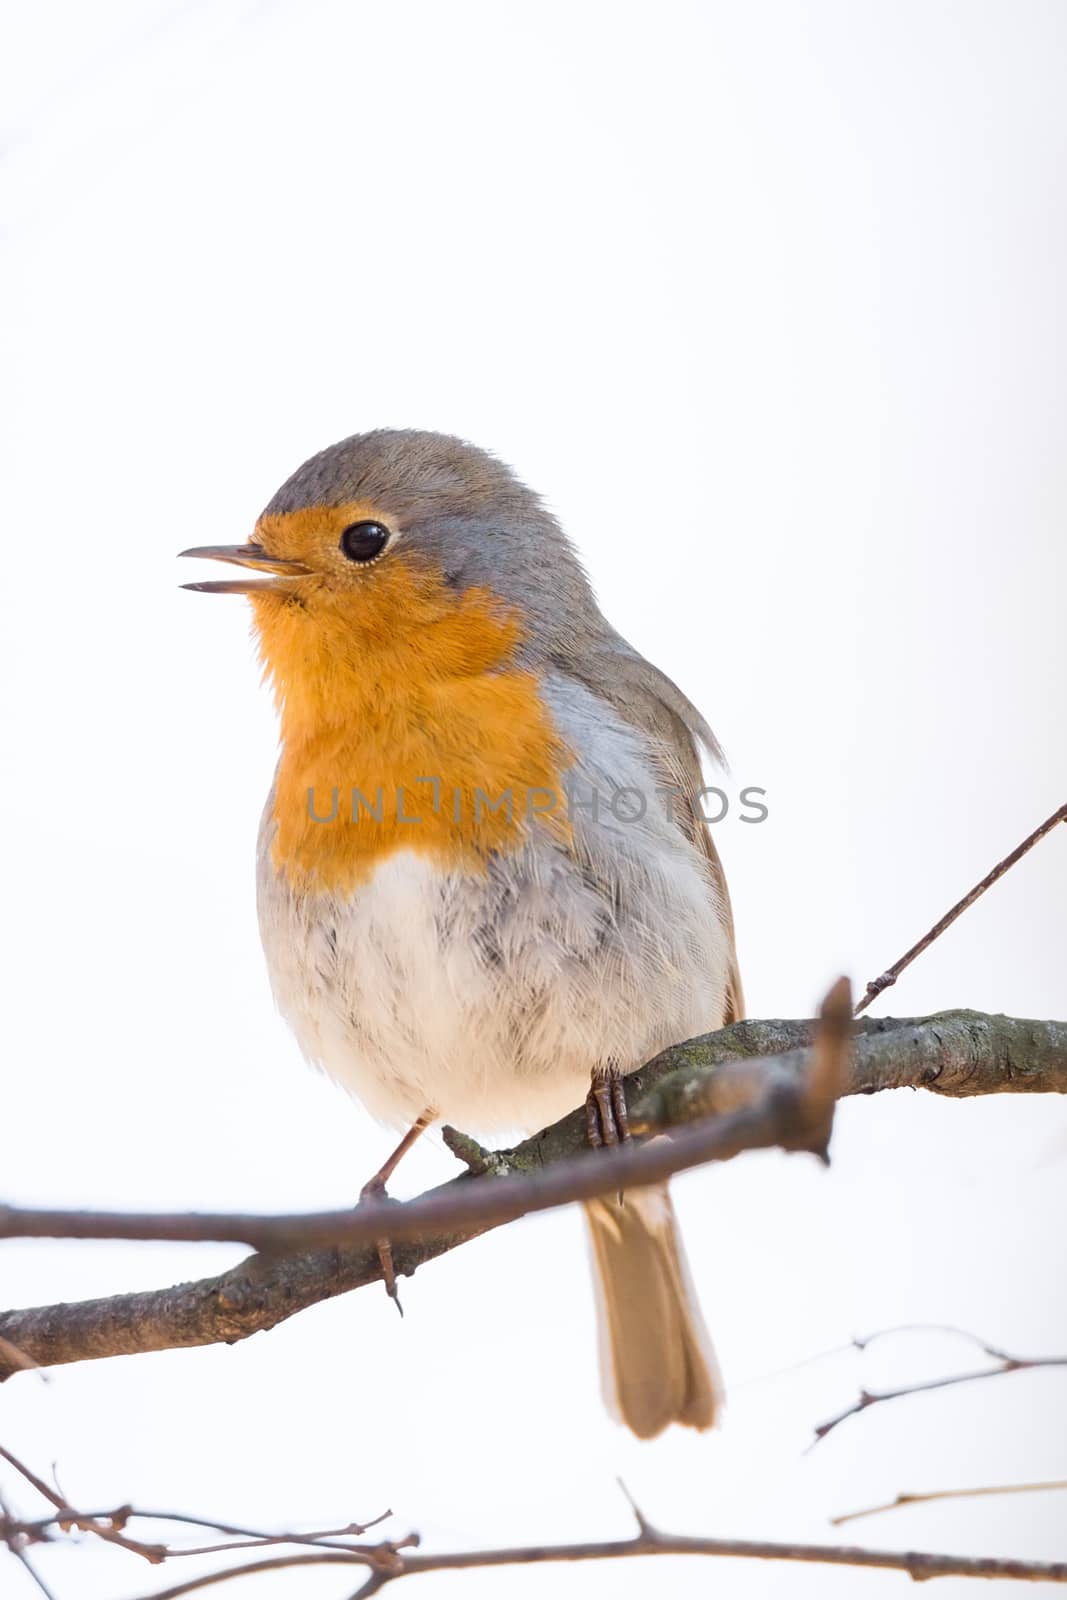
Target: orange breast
x=405, y=724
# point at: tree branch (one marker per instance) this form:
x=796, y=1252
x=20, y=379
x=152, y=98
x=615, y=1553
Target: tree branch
x=918, y=1564
x=391, y=1560
x=749, y=1086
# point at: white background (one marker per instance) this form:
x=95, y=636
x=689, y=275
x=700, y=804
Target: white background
x=767, y=299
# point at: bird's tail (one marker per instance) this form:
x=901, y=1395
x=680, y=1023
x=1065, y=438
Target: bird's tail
x=657, y=1362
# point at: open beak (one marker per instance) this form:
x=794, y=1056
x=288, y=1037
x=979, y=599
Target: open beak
x=244, y=555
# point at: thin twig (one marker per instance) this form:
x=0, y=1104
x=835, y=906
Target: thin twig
x=20, y=1555
x=791, y=1367
x=327, y=1540
x=860, y=1342
x=867, y=1398
x=65, y=1518
x=35, y=1577
x=908, y=1499
x=15, y=1537
x=891, y=974
x=68, y=1517
x=353, y=1529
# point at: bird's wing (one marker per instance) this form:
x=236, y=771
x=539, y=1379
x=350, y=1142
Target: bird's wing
x=647, y=699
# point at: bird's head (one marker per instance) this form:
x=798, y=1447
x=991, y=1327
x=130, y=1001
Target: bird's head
x=396, y=542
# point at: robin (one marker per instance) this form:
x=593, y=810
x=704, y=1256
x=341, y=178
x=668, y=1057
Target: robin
x=482, y=892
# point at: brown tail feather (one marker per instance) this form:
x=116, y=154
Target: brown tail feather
x=657, y=1361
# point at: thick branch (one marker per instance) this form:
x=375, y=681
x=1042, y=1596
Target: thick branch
x=741, y=1103
x=953, y=1053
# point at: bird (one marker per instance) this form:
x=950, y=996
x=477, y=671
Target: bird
x=484, y=894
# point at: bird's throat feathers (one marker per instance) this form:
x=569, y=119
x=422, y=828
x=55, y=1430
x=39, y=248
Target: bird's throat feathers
x=406, y=723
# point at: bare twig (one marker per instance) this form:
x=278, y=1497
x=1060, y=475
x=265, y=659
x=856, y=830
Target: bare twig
x=1002, y=1363
x=392, y=1559
x=34, y=1576
x=14, y=1535
x=109, y=1529
x=890, y=976
x=20, y=1555
x=253, y=1535
x=110, y=1524
x=860, y=1342
x=326, y=1539
x=18, y=1534
x=907, y=1499
x=40, y=1530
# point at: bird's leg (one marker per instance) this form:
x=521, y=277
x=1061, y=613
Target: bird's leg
x=374, y=1189
x=606, y=1122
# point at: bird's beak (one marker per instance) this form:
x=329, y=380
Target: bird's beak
x=244, y=555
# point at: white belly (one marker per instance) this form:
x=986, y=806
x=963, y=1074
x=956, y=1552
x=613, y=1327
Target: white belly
x=491, y=998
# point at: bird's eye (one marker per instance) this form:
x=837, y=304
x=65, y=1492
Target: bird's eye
x=362, y=541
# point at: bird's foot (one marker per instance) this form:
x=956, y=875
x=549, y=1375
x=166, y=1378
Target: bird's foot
x=375, y=1192
x=606, y=1121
